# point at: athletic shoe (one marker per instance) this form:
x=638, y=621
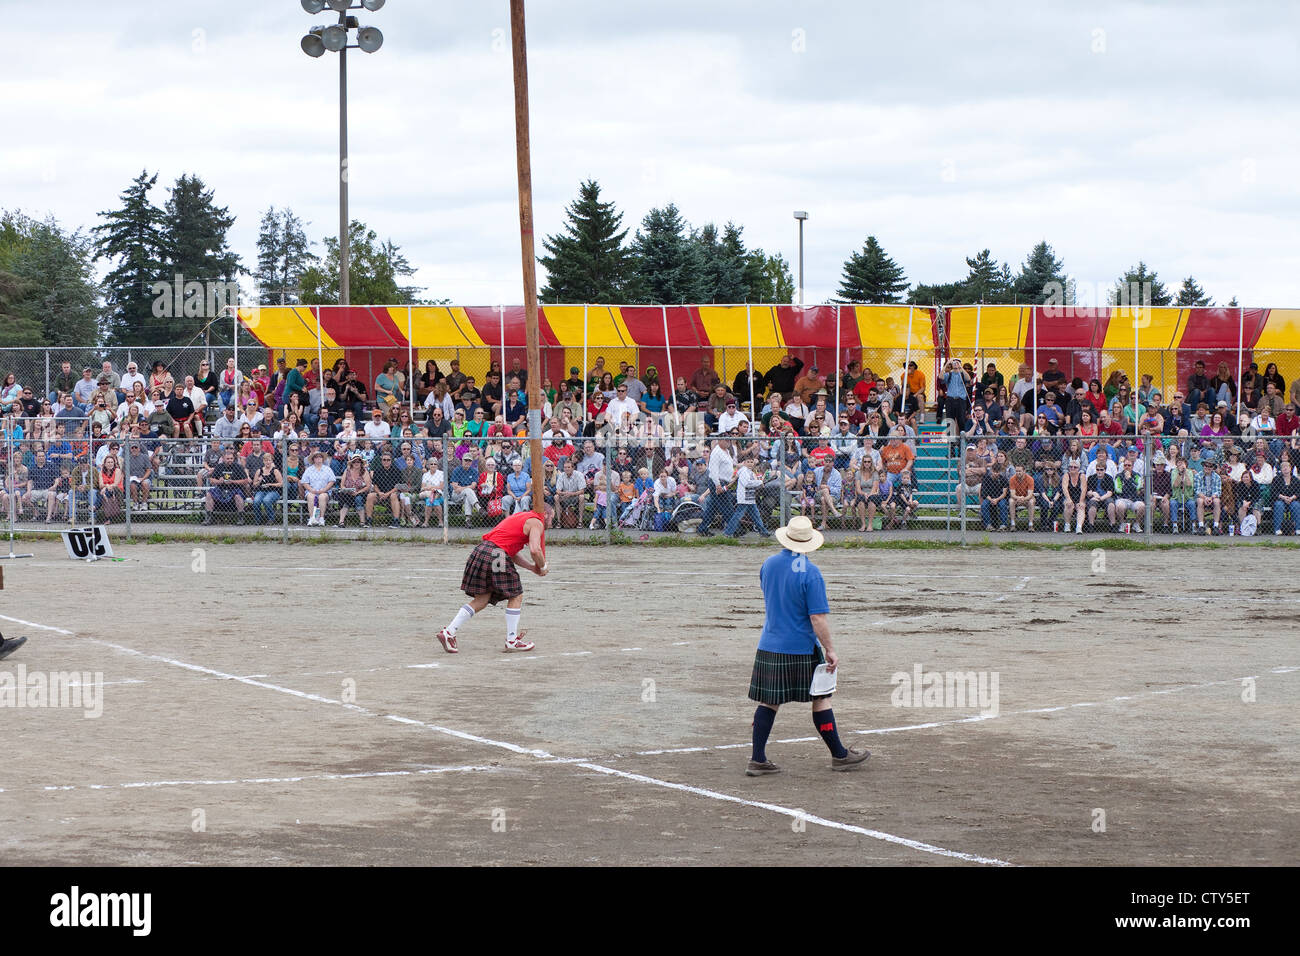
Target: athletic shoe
x=519, y=644
x=850, y=759
x=448, y=642
x=10, y=645
x=756, y=769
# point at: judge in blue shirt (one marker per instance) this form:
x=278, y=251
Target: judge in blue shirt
x=796, y=630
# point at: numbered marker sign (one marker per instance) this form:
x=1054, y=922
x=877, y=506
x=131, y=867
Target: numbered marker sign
x=82, y=543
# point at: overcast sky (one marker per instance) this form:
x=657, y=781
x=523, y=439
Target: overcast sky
x=1168, y=132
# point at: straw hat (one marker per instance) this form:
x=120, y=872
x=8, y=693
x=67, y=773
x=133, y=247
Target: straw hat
x=800, y=536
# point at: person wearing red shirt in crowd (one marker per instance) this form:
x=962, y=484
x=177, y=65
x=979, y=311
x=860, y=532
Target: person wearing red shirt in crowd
x=596, y=405
x=1288, y=423
x=491, y=576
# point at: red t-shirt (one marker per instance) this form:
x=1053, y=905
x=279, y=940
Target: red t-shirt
x=1288, y=426
x=510, y=535
x=862, y=391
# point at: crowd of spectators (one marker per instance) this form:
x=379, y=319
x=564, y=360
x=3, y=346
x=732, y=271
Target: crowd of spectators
x=623, y=447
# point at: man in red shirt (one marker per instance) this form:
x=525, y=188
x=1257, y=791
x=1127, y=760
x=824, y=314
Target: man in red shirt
x=491, y=576
x=1288, y=423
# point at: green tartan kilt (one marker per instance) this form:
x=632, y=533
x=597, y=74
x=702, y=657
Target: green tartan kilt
x=784, y=678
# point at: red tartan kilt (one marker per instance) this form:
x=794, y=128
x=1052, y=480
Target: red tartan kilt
x=481, y=578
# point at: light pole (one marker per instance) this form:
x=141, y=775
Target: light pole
x=335, y=39
x=801, y=215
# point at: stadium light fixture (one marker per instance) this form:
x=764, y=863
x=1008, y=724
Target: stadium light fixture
x=372, y=5
x=313, y=6
x=312, y=44
x=369, y=39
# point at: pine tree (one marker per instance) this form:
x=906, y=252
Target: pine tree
x=1192, y=294
x=939, y=293
x=196, y=249
x=1041, y=278
x=133, y=237
x=871, y=276
x=283, y=253
x=985, y=282
x=57, y=269
x=723, y=264
x=587, y=262
x=1140, y=287
x=1233, y=303
x=667, y=265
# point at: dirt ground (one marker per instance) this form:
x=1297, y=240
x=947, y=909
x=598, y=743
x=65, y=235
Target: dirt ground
x=272, y=705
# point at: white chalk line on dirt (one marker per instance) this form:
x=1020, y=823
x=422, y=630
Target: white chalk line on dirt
x=543, y=755
x=366, y=775
x=977, y=718
x=458, y=569
x=798, y=815
x=43, y=627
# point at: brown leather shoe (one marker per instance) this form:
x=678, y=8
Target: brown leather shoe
x=850, y=759
x=756, y=769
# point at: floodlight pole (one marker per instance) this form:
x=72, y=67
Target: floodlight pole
x=519, y=53
x=344, y=291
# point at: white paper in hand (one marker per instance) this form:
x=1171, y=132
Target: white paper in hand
x=823, y=681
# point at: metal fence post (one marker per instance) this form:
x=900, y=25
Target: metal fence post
x=610, y=510
x=785, y=499
x=126, y=480
x=284, y=488
x=47, y=374
x=961, y=484
x=1146, y=485
x=446, y=485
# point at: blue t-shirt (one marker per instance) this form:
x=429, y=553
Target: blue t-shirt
x=793, y=588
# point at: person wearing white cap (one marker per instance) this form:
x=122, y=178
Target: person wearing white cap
x=796, y=638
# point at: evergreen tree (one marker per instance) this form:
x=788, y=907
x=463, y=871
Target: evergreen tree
x=1233, y=303
x=1192, y=294
x=587, y=261
x=283, y=253
x=1140, y=287
x=374, y=269
x=131, y=236
x=667, y=265
x=1041, y=278
x=195, y=248
x=723, y=264
x=871, y=276
x=939, y=293
x=985, y=282
x=56, y=267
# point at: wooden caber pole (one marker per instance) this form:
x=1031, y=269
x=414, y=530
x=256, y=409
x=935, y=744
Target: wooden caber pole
x=519, y=50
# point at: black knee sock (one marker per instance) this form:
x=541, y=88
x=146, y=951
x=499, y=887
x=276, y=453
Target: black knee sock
x=764, y=717
x=825, y=721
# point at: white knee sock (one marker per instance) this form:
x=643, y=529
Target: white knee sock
x=463, y=615
x=512, y=623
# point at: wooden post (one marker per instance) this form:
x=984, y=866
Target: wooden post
x=519, y=50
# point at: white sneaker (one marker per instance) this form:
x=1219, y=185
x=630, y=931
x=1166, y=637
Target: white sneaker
x=519, y=644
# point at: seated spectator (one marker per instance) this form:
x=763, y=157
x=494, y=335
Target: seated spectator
x=994, y=490
x=1208, y=488
x=1021, y=495
x=228, y=485
x=354, y=492
x=266, y=485
x=1101, y=490
x=1129, y=495
x=1286, y=498
x=317, y=482
x=464, y=480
